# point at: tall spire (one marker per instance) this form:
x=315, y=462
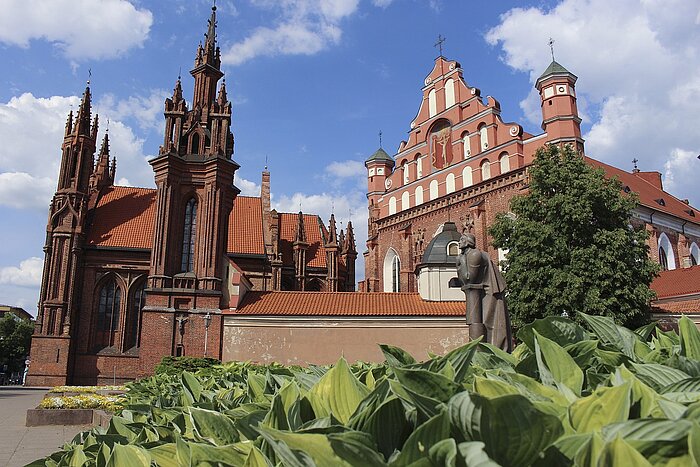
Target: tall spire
x=350, y=239
x=82, y=120
x=102, y=176
x=211, y=31
x=207, y=67
x=300, y=236
x=69, y=124
x=332, y=232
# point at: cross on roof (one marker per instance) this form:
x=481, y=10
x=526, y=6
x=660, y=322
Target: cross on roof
x=440, y=41
x=380, y=138
x=551, y=47
x=634, y=161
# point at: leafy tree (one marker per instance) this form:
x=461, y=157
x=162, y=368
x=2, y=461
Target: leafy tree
x=15, y=340
x=571, y=246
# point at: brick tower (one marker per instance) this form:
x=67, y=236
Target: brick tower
x=194, y=178
x=560, y=119
x=52, y=347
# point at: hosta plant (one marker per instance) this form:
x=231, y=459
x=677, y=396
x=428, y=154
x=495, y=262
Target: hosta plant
x=568, y=395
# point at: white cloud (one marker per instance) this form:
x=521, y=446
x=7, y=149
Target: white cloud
x=638, y=64
x=382, y=3
x=146, y=111
x=247, y=187
x=347, y=168
x=302, y=27
x=32, y=129
x=28, y=274
x=21, y=191
x=82, y=29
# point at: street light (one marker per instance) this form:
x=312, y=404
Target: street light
x=207, y=323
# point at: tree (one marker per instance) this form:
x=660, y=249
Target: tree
x=15, y=340
x=571, y=245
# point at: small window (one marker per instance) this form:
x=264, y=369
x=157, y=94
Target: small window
x=419, y=195
x=667, y=259
x=452, y=249
x=467, y=177
x=419, y=166
x=485, y=170
x=392, y=205
x=449, y=93
x=467, y=146
x=405, y=201
x=483, y=137
x=505, y=162
x=406, y=175
x=450, y=183
x=432, y=103
x=433, y=189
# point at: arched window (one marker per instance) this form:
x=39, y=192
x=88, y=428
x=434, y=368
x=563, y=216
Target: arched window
x=108, y=313
x=505, y=162
x=485, y=170
x=452, y=249
x=392, y=205
x=467, y=177
x=450, y=183
x=419, y=195
x=433, y=189
x=449, y=93
x=392, y=271
x=188, y=236
x=432, y=103
x=483, y=137
x=667, y=259
x=467, y=146
x=133, y=317
x=694, y=254
x=406, y=175
x=405, y=201
x=419, y=166
x=194, y=148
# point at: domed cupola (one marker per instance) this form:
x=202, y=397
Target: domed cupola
x=438, y=266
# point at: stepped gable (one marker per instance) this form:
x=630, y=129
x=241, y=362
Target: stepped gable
x=649, y=193
x=123, y=218
x=343, y=304
x=315, y=234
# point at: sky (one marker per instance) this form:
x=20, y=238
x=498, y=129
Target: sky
x=313, y=82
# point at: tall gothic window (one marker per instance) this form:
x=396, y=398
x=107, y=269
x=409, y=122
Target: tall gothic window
x=663, y=260
x=133, y=319
x=188, y=236
x=392, y=272
x=108, y=313
x=396, y=274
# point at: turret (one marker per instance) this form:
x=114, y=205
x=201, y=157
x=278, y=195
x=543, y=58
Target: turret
x=300, y=246
x=349, y=256
x=332, y=249
x=103, y=177
x=560, y=118
x=379, y=166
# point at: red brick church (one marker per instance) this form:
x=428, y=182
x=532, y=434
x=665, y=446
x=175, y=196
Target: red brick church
x=133, y=274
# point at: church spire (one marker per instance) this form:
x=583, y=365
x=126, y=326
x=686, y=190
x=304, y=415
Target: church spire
x=207, y=67
x=332, y=231
x=82, y=120
x=102, y=176
x=69, y=124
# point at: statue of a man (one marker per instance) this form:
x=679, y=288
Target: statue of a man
x=484, y=288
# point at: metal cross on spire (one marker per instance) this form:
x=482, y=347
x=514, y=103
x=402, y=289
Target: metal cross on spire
x=440, y=41
x=89, y=76
x=634, y=161
x=551, y=47
x=380, y=138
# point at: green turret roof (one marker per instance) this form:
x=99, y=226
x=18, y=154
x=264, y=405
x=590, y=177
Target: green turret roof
x=554, y=68
x=380, y=155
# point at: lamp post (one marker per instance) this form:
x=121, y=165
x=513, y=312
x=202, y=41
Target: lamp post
x=207, y=323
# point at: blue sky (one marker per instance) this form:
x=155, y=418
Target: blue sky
x=313, y=82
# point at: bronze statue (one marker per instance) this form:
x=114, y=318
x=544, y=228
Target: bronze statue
x=484, y=288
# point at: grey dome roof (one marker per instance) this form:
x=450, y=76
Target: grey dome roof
x=436, y=253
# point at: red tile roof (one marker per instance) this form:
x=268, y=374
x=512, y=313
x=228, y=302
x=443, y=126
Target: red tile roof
x=315, y=231
x=124, y=217
x=343, y=304
x=245, y=228
x=649, y=193
x=685, y=306
x=677, y=282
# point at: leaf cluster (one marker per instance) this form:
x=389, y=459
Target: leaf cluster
x=568, y=395
x=571, y=247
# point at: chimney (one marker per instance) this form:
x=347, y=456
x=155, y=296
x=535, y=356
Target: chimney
x=652, y=177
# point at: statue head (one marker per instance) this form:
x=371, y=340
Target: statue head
x=467, y=240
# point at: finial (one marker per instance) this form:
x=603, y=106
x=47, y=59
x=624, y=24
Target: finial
x=551, y=47
x=380, y=138
x=179, y=73
x=439, y=43
x=634, y=161
x=213, y=8
x=265, y=162
x=107, y=126
x=89, y=76
x=332, y=207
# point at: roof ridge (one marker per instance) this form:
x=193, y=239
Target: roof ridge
x=134, y=187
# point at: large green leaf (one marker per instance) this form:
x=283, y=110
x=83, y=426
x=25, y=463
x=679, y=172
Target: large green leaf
x=396, y=356
x=460, y=359
x=618, y=452
x=689, y=337
x=473, y=454
x=338, y=392
x=605, y=328
x=694, y=443
x=553, y=360
x=658, y=376
x=234, y=454
x=659, y=441
x=605, y=406
x=427, y=383
x=425, y=436
x=560, y=330
x=214, y=427
x=512, y=428
x=192, y=386
x=388, y=426
x=256, y=459
x=643, y=399
x=129, y=456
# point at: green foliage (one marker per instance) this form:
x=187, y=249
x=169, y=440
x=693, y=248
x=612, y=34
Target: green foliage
x=176, y=365
x=571, y=247
x=597, y=394
x=15, y=340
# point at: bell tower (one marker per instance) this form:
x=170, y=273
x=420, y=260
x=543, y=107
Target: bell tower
x=194, y=174
x=560, y=118
x=59, y=300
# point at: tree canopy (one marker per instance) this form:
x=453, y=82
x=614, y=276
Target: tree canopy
x=571, y=246
x=15, y=339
